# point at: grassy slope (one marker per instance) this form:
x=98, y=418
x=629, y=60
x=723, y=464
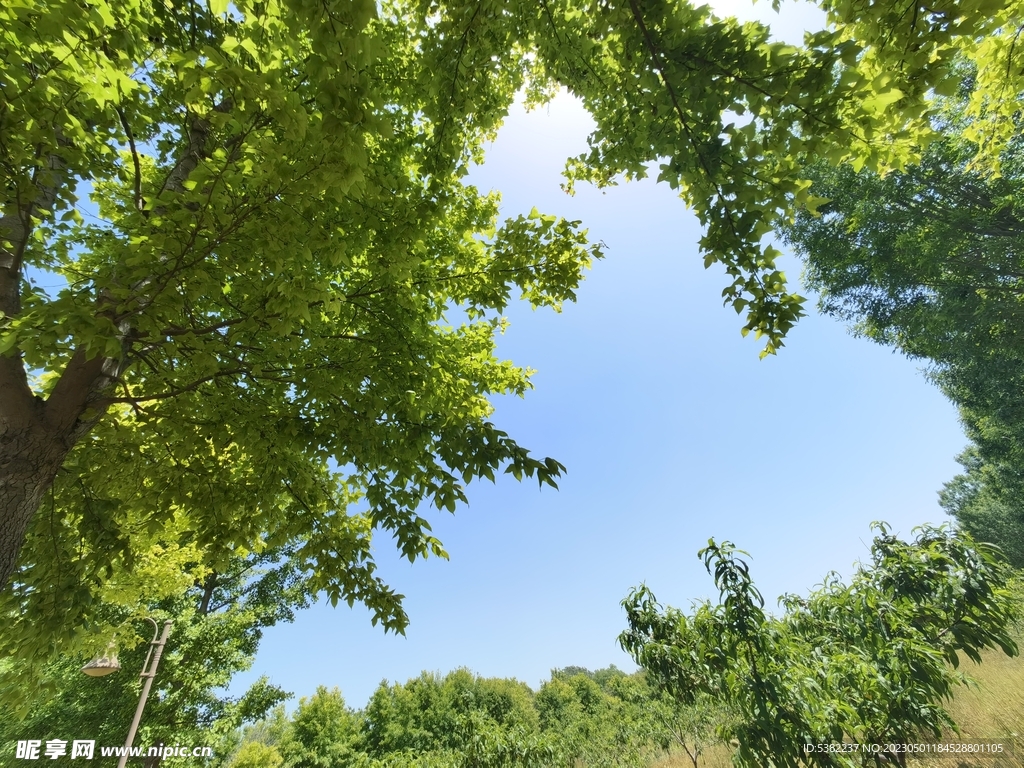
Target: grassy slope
x=994, y=709
x=991, y=710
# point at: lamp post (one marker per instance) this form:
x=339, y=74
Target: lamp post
x=108, y=663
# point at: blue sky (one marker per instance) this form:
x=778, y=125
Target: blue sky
x=673, y=431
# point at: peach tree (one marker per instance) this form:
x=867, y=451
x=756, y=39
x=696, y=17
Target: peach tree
x=867, y=663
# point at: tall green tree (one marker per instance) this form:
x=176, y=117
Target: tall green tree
x=871, y=661
x=986, y=500
x=255, y=754
x=603, y=718
x=237, y=246
x=282, y=306
x=323, y=734
x=928, y=260
x=433, y=713
x=255, y=743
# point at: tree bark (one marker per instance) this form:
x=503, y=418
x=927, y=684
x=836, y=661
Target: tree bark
x=153, y=761
x=32, y=446
x=29, y=460
x=36, y=436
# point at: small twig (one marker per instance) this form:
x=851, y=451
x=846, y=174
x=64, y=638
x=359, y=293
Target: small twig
x=135, y=159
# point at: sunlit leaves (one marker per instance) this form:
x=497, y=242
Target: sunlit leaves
x=273, y=246
x=666, y=81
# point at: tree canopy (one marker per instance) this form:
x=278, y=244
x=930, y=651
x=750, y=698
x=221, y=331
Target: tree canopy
x=248, y=300
x=602, y=719
x=986, y=500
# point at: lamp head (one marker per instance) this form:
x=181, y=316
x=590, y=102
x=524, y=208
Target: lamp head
x=103, y=665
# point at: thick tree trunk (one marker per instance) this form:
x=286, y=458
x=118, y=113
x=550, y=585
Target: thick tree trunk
x=29, y=460
x=36, y=436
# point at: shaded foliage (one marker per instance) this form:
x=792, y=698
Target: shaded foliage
x=930, y=260
x=217, y=628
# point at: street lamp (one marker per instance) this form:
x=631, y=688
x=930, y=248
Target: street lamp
x=105, y=664
x=108, y=663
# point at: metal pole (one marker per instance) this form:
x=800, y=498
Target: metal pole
x=156, y=650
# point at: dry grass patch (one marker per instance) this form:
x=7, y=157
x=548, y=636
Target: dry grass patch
x=716, y=756
x=993, y=709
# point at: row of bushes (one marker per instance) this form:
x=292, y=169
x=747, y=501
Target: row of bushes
x=460, y=720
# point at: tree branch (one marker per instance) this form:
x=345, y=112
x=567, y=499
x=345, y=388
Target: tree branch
x=139, y=205
x=197, y=133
